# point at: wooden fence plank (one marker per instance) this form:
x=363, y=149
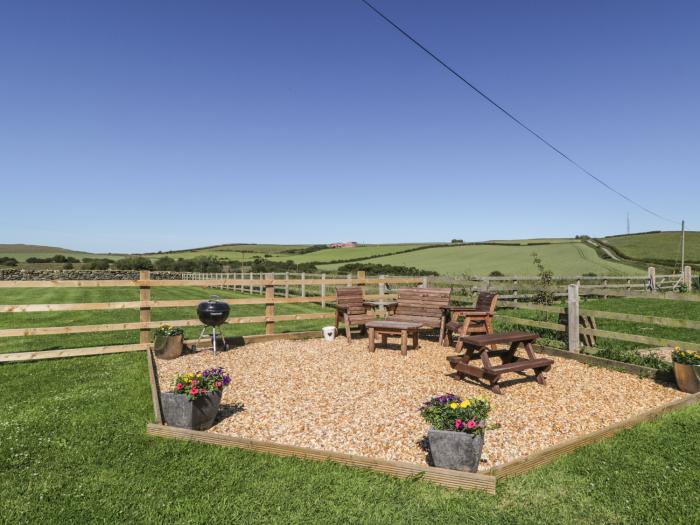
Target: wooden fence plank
x=118, y=327
x=633, y=338
x=531, y=322
x=446, y=477
x=69, y=352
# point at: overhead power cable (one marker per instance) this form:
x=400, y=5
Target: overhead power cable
x=513, y=117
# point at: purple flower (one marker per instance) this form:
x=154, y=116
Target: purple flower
x=227, y=380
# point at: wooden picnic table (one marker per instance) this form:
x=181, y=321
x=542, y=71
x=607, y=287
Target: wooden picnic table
x=509, y=361
x=393, y=328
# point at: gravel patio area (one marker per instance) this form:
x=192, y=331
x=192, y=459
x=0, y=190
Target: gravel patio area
x=340, y=397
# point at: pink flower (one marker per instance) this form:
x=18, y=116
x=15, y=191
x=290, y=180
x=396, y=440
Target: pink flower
x=179, y=386
x=458, y=423
x=194, y=391
x=471, y=424
x=218, y=384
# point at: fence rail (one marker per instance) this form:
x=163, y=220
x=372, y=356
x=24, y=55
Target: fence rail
x=288, y=288
x=145, y=304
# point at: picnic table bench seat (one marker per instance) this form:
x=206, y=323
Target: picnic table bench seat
x=481, y=344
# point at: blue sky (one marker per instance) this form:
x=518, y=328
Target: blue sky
x=124, y=124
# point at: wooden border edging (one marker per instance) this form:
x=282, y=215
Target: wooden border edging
x=440, y=476
x=547, y=455
x=618, y=366
x=155, y=388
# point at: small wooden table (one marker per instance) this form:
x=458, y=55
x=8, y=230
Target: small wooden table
x=510, y=363
x=393, y=328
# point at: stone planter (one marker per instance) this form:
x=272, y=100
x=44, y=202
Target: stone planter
x=455, y=450
x=199, y=414
x=168, y=347
x=687, y=377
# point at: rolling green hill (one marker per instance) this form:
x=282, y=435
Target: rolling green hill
x=570, y=258
x=659, y=247
x=562, y=256
x=22, y=251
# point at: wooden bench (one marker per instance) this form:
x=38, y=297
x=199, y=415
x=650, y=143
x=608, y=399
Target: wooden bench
x=393, y=328
x=421, y=305
x=509, y=361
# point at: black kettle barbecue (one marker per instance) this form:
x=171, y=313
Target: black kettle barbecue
x=213, y=313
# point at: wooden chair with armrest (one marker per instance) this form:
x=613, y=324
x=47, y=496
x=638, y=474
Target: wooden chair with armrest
x=478, y=319
x=352, y=309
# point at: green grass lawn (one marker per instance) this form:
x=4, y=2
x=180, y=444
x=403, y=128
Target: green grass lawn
x=572, y=258
x=622, y=350
x=660, y=246
x=73, y=449
x=87, y=295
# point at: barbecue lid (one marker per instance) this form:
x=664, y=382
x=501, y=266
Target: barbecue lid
x=213, y=306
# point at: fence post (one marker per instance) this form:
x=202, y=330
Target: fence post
x=250, y=285
x=425, y=281
x=303, y=286
x=144, y=311
x=323, y=290
x=687, y=277
x=286, y=285
x=651, y=273
x=515, y=290
x=349, y=279
x=572, y=313
x=361, y=276
x=270, y=304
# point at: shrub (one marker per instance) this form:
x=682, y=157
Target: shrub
x=384, y=269
x=8, y=261
x=449, y=412
x=134, y=263
x=308, y=249
x=165, y=264
x=96, y=264
x=198, y=384
x=544, y=293
x=496, y=273
x=68, y=266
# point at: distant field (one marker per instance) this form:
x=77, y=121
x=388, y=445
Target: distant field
x=572, y=258
x=661, y=246
x=334, y=254
x=23, y=251
x=230, y=251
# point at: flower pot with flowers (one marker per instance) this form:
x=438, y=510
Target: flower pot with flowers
x=686, y=368
x=194, y=401
x=457, y=434
x=168, y=342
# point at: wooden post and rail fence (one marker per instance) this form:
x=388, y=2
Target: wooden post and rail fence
x=145, y=305
x=278, y=291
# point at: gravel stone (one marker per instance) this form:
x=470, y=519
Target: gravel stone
x=337, y=396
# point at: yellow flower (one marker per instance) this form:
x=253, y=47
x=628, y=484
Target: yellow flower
x=677, y=348
x=465, y=403
x=453, y=405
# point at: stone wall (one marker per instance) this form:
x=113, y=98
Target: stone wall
x=80, y=275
